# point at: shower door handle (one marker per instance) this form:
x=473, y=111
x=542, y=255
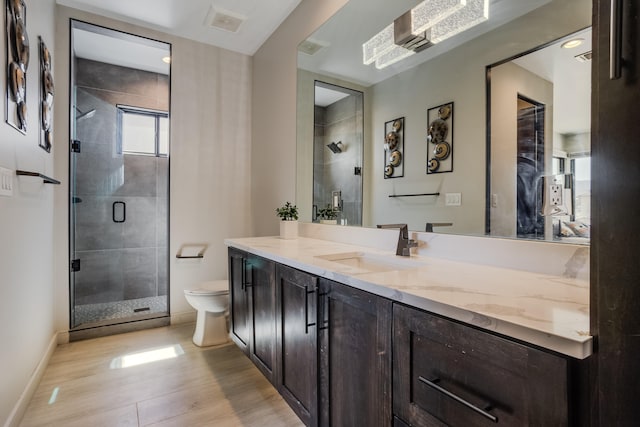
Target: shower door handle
x=123, y=214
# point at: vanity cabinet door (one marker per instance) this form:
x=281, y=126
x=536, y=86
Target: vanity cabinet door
x=297, y=346
x=263, y=314
x=240, y=312
x=445, y=373
x=355, y=357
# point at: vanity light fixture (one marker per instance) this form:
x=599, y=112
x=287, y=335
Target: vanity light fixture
x=570, y=44
x=430, y=22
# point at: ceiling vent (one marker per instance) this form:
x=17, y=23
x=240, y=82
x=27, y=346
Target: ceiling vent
x=584, y=57
x=224, y=20
x=311, y=47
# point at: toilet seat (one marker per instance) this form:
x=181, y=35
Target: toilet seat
x=215, y=287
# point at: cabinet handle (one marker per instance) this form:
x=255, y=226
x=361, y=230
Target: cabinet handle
x=306, y=309
x=245, y=284
x=244, y=274
x=483, y=412
x=615, y=40
x=324, y=310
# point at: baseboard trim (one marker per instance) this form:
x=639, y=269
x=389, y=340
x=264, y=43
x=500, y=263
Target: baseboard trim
x=184, y=317
x=16, y=415
x=63, y=337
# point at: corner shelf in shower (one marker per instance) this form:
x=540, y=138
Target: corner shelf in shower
x=45, y=179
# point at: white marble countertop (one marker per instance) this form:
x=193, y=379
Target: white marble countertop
x=549, y=311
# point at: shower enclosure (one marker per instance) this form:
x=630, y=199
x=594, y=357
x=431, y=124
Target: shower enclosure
x=119, y=181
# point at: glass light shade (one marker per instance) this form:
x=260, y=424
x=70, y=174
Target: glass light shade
x=397, y=53
x=378, y=45
x=430, y=12
x=475, y=12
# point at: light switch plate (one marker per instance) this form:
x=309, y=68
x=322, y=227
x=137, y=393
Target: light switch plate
x=6, y=182
x=453, y=199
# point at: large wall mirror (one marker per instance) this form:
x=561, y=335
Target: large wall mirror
x=520, y=162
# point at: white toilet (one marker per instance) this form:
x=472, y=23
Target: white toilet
x=211, y=300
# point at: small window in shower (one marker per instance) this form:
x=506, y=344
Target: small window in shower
x=142, y=131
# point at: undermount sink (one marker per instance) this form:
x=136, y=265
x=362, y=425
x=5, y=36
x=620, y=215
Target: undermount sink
x=363, y=262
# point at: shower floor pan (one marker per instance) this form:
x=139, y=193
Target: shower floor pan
x=119, y=310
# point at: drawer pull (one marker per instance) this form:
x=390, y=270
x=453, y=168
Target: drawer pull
x=483, y=412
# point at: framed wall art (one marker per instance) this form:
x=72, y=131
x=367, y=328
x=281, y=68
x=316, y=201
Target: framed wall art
x=46, y=97
x=394, y=148
x=17, y=63
x=440, y=139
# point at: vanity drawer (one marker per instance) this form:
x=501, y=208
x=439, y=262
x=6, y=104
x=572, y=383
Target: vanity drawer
x=446, y=373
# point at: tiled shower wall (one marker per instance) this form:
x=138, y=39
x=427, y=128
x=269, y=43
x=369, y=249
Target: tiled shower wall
x=119, y=261
x=340, y=121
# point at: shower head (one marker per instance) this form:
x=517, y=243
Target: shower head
x=336, y=147
x=86, y=114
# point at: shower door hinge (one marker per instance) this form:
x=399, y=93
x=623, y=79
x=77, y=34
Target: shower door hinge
x=75, y=146
x=75, y=265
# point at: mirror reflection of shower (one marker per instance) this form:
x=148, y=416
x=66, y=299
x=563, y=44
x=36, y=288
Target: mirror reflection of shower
x=119, y=184
x=338, y=153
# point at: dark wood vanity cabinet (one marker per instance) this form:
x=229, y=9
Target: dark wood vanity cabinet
x=445, y=373
x=297, y=341
x=341, y=356
x=253, y=308
x=355, y=357
x=263, y=314
x=239, y=313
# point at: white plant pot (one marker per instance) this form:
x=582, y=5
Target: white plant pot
x=288, y=229
x=329, y=221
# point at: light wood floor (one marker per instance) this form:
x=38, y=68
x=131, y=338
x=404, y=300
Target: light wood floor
x=202, y=387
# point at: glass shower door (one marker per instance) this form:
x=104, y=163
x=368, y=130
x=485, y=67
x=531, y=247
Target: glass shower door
x=118, y=191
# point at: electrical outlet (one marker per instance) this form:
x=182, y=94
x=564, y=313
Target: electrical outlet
x=6, y=182
x=453, y=199
x=555, y=195
x=494, y=200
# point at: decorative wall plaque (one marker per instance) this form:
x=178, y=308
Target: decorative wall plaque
x=440, y=139
x=17, y=63
x=394, y=148
x=47, y=92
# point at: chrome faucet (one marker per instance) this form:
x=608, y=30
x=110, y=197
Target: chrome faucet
x=404, y=243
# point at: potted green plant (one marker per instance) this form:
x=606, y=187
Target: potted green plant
x=289, y=224
x=327, y=215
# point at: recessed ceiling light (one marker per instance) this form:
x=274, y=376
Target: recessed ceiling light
x=570, y=44
x=166, y=60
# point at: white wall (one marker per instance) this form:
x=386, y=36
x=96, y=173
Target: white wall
x=26, y=231
x=210, y=162
x=274, y=113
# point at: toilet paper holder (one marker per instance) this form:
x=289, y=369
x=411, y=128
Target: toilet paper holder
x=191, y=251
